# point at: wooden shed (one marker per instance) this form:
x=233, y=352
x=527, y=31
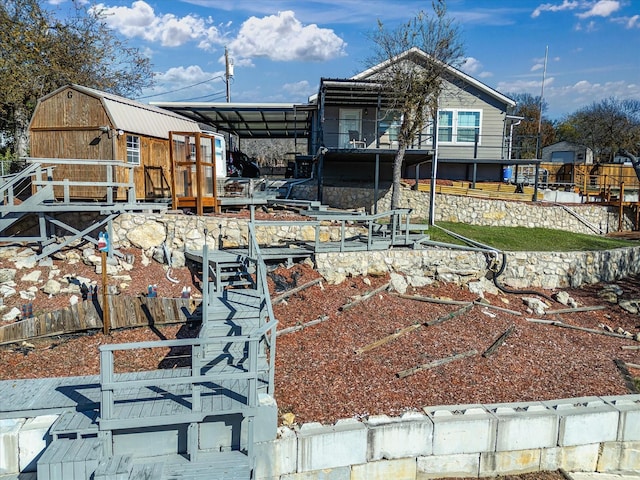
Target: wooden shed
x=80, y=123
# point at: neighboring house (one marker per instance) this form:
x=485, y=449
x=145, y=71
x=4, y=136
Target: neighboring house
x=359, y=131
x=78, y=123
x=567, y=152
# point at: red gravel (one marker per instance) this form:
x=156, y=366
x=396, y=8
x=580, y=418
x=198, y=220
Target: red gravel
x=319, y=377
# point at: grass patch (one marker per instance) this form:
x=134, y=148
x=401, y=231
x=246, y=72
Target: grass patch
x=523, y=239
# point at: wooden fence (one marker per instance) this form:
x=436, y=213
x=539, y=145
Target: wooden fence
x=125, y=312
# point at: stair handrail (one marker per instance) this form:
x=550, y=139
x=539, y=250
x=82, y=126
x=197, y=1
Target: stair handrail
x=255, y=255
x=12, y=180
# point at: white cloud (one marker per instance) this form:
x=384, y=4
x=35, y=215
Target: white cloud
x=473, y=66
x=628, y=22
x=550, y=7
x=602, y=8
x=282, y=37
x=299, y=89
x=140, y=20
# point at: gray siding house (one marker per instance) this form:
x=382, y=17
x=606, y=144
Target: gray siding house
x=354, y=134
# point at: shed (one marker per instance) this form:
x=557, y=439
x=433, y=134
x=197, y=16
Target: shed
x=79, y=123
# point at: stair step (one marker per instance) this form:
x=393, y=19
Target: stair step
x=70, y=459
x=117, y=467
x=210, y=466
x=78, y=424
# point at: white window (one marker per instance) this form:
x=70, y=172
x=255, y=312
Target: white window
x=390, y=126
x=459, y=126
x=133, y=149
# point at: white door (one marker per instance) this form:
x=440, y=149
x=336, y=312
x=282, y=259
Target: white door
x=350, y=125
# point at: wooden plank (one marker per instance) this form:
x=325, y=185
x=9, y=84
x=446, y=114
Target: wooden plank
x=388, y=338
x=419, y=298
x=435, y=363
x=499, y=341
x=295, y=290
x=296, y=328
x=500, y=309
x=574, y=327
x=576, y=309
x=364, y=297
x=450, y=315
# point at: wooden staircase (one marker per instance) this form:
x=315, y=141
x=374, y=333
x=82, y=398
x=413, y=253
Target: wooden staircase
x=195, y=422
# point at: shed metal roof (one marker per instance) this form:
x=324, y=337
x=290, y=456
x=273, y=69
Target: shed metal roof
x=136, y=117
x=248, y=120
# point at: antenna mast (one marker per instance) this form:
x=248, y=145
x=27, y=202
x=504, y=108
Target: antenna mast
x=228, y=72
x=544, y=74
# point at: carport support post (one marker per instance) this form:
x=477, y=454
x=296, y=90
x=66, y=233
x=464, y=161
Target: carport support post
x=376, y=184
x=106, y=324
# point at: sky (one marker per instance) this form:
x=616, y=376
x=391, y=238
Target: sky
x=280, y=49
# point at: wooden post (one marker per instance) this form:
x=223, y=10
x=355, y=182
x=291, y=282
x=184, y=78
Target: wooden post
x=105, y=300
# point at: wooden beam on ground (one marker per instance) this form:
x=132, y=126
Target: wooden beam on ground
x=296, y=328
x=582, y=329
x=431, y=299
x=576, y=309
x=499, y=341
x=500, y=309
x=449, y=316
x=632, y=365
x=388, y=338
x=295, y=290
x=630, y=347
x=626, y=375
x=435, y=363
x=364, y=297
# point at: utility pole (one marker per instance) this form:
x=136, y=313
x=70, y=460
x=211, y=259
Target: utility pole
x=228, y=73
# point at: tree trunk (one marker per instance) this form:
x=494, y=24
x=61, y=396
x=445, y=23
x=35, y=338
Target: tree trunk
x=21, y=117
x=397, y=175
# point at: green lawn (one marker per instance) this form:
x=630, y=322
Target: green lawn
x=526, y=239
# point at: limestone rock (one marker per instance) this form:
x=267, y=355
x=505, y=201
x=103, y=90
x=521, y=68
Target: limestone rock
x=7, y=275
x=399, y=283
x=147, y=235
x=32, y=277
x=11, y=315
x=28, y=295
x=26, y=263
x=631, y=305
x=535, y=304
x=7, y=291
x=52, y=287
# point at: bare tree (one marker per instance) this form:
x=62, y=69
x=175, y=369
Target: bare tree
x=39, y=53
x=605, y=127
x=414, y=88
x=527, y=143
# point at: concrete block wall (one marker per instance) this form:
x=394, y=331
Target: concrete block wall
x=577, y=434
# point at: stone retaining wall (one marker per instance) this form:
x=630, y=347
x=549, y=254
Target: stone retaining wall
x=547, y=270
x=580, y=434
x=475, y=211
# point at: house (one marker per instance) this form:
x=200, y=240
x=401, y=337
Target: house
x=349, y=129
x=356, y=125
x=156, y=147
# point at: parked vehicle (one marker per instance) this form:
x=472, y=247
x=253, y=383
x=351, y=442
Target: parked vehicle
x=240, y=165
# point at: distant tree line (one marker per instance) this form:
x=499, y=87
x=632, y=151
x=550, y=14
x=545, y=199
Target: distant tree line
x=41, y=51
x=606, y=127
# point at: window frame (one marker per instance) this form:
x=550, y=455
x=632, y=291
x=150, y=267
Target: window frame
x=133, y=149
x=454, y=128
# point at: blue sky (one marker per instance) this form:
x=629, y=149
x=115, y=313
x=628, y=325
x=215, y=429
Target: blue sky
x=280, y=49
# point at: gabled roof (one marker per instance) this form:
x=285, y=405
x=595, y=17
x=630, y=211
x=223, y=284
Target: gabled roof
x=135, y=117
x=414, y=54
